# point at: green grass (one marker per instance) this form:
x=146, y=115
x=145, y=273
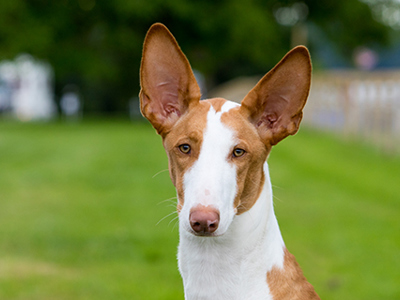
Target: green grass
x=79, y=207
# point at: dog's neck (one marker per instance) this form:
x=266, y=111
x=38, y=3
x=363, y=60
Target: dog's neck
x=234, y=265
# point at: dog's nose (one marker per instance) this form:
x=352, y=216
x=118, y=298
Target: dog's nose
x=204, y=219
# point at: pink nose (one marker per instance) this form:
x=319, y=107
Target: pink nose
x=204, y=219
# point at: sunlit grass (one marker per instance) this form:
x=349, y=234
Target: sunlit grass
x=81, y=213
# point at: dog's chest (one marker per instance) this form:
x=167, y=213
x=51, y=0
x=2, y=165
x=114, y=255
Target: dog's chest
x=218, y=271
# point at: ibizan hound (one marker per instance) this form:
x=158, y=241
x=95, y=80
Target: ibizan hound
x=230, y=243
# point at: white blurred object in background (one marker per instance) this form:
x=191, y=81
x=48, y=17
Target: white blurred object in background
x=28, y=89
x=70, y=103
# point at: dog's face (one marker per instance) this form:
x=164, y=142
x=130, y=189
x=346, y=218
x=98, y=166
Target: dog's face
x=216, y=148
x=215, y=162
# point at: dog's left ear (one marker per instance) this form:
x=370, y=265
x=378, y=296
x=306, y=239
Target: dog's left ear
x=275, y=104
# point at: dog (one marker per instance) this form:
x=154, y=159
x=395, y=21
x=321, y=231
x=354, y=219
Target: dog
x=230, y=244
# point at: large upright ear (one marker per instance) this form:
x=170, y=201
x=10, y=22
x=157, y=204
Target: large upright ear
x=275, y=104
x=168, y=86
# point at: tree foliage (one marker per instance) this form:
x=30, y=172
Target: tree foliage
x=96, y=44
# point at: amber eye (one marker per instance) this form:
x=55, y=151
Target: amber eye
x=238, y=152
x=185, y=148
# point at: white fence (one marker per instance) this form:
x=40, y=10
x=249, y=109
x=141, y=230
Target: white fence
x=358, y=104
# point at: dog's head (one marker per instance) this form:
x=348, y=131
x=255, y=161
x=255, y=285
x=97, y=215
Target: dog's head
x=217, y=148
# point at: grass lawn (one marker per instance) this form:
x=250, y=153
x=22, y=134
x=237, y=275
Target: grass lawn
x=81, y=204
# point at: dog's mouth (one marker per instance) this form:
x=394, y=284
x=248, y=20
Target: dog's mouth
x=204, y=234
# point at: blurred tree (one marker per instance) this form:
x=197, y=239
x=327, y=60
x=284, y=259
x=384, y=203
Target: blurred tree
x=96, y=44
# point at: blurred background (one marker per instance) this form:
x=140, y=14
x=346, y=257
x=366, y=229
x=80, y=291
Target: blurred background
x=77, y=58
x=79, y=198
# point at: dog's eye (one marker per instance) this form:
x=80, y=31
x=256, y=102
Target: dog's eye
x=185, y=148
x=238, y=152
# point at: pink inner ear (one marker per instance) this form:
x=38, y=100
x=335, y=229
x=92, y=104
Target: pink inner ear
x=268, y=119
x=168, y=94
x=171, y=109
x=271, y=119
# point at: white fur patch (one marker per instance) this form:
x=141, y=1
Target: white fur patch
x=228, y=105
x=212, y=179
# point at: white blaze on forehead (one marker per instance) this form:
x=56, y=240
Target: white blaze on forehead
x=228, y=105
x=212, y=178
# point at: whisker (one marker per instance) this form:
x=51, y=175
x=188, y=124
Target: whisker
x=242, y=206
x=275, y=197
x=276, y=186
x=167, y=200
x=172, y=204
x=173, y=220
x=162, y=171
x=177, y=222
x=170, y=214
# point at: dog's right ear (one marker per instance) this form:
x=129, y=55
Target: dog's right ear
x=168, y=85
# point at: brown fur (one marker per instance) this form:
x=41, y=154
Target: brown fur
x=289, y=282
x=185, y=132
x=217, y=103
x=250, y=176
